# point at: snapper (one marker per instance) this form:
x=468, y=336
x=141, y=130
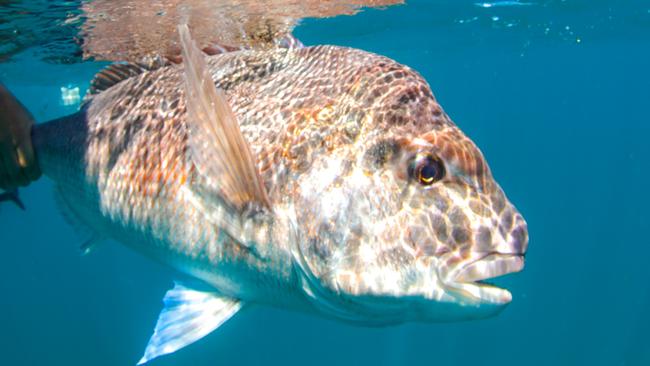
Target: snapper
x=322, y=179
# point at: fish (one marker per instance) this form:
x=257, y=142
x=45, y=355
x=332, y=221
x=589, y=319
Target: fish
x=324, y=179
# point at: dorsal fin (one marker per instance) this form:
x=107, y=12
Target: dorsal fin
x=118, y=72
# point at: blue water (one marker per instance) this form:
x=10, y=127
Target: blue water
x=557, y=95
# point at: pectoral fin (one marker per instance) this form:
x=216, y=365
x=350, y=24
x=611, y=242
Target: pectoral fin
x=13, y=197
x=89, y=245
x=217, y=148
x=188, y=316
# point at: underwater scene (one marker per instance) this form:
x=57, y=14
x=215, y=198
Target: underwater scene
x=398, y=244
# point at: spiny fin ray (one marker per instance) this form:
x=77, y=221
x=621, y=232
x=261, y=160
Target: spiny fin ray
x=116, y=73
x=217, y=147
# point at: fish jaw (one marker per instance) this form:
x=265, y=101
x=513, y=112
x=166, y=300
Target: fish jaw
x=430, y=299
x=467, y=283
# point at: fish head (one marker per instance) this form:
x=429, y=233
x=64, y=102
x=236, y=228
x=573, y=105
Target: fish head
x=404, y=221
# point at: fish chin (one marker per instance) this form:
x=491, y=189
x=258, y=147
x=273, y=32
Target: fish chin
x=467, y=284
x=458, y=298
x=482, y=293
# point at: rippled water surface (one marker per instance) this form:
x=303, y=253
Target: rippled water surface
x=555, y=93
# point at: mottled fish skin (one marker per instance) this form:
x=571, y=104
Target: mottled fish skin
x=335, y=132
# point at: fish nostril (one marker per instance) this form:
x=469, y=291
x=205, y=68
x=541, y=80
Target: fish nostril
x=519, y=239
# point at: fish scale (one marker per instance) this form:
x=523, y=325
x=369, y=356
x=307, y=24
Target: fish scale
x=134, y=144
x=322, y=179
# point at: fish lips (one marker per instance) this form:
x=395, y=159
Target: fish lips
x=466, y=281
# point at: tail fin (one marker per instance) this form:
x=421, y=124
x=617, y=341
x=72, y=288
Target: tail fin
x=13, y=197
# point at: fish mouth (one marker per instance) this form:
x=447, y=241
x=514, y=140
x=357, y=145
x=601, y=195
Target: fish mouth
x=469, y=281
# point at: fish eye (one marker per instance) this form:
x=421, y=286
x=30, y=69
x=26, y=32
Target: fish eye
x=426, y=169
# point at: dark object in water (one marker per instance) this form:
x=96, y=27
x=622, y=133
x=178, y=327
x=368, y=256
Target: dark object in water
x=13, y=197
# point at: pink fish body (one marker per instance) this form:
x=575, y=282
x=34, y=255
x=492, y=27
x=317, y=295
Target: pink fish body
x=321, y=179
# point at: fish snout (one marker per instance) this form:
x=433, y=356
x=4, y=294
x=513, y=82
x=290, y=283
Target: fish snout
x=502, y=255
x=517, y=237
x=512, y=234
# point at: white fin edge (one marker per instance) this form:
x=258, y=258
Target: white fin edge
x=217, y=147
x=188, y=315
